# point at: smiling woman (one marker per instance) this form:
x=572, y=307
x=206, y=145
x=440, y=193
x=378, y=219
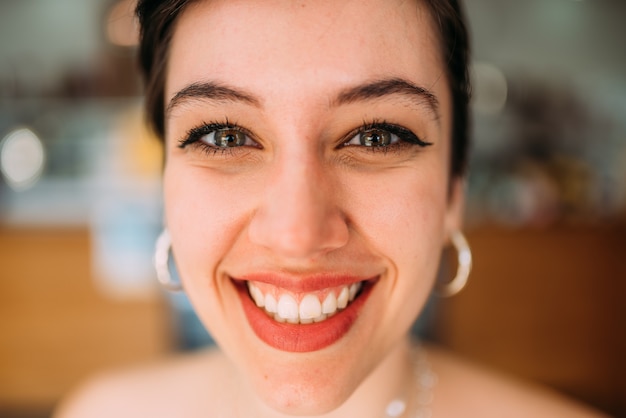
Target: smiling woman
x=314, y=161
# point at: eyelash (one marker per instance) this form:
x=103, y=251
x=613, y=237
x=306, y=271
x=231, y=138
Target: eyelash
x=406, y=137
x=194, y=136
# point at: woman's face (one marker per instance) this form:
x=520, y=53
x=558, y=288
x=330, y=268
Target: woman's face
x=308, y=148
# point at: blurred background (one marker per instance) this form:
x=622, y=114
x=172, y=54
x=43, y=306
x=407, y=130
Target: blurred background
x=546, y=212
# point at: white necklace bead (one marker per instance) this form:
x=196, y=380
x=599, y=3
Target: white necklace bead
x=425, y=380
x=395, y=408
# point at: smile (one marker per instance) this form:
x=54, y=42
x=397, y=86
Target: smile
x=305, y=314
x=305, y=308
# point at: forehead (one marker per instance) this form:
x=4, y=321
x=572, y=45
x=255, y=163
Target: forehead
x=278, y=47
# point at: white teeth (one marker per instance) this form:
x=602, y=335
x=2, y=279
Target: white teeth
x=354, y=289
x=330, y=304
x=270, y=304
x=256, y=294
x=320, y=318
x=342, y=299
x=310, y=307
x=287, y=308
x=309, y=310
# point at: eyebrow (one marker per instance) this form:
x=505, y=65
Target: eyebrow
x=363, y=92
x=387, y=87
x=210, y=91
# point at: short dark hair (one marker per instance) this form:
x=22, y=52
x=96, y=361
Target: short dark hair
x=158, y=17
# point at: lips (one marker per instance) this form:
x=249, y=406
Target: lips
x=304, y=319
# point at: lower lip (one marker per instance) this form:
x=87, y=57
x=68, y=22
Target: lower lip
x=301, y=338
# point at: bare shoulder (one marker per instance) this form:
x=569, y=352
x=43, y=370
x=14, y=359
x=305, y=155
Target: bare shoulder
x=464, y=389
x=180, y=386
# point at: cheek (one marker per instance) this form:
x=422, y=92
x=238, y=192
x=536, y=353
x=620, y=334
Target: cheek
x=402, y=215
x=403, y=218
x=204, y=214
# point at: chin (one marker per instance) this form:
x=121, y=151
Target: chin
x=318, y=374
x=306, y=392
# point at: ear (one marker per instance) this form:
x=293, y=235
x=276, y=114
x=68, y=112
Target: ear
x=456, y=206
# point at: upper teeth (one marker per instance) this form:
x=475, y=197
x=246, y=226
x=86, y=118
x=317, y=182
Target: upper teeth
x=284, y=307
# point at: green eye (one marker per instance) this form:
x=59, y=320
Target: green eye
x=222, y=137
x=383, y=136
x=375, y=138
x=226, y=138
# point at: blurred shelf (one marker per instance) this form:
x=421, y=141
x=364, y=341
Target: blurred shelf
x=548, y=305
x=56, y=327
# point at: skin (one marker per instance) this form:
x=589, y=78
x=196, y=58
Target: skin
x=300, y=202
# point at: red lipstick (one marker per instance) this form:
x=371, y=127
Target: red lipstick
x=299, y=338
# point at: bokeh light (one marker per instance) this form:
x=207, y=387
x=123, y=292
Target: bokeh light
x=22, y=158
x=490, y=88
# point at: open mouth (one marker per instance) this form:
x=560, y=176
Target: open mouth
x=304, y=319
x=304, y=308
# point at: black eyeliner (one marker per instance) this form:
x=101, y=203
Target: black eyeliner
x=194, y=134
x=403, y=133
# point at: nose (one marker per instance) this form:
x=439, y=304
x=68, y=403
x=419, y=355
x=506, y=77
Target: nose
x=299, y=216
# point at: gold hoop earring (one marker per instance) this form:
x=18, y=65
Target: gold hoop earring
x=162, y=262
x=463, y=270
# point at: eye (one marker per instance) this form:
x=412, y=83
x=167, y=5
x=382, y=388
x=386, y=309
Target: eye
x=218, y=136
x=225, y=138
x=383, y=135
x=373, y=137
